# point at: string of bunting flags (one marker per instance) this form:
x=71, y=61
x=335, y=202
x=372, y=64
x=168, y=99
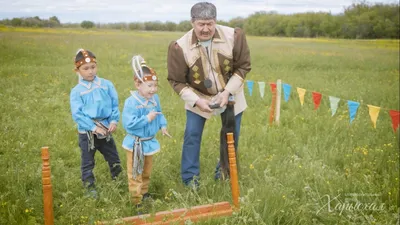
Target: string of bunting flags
x=334, y=102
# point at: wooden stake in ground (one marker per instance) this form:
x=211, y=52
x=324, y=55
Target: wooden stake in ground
x=233, y=171
x=273, y=103
x=47, y=189
x=278, y=101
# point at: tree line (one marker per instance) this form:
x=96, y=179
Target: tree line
x=359, y=20
x=32, y=22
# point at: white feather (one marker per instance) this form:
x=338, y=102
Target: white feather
x=79, y=50
x=136, y=66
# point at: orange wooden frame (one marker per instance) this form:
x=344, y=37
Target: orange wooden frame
x=194, y=214
x=179, y=216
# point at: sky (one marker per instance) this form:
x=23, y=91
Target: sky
x=106, y=11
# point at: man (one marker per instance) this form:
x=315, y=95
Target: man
x=206, y=66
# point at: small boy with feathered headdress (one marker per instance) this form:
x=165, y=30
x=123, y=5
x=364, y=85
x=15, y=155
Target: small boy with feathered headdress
x=142, y=119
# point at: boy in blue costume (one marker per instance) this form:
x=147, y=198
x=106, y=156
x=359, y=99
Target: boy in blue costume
x=142, y=119
x=94, y=107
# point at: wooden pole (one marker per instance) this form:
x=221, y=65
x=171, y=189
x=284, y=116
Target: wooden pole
x=233, y=170
x=272, y=109
x=47, y=189
x=177, y=216
x=278, y=101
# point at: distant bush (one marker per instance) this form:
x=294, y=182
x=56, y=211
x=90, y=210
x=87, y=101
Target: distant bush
x=87, y=24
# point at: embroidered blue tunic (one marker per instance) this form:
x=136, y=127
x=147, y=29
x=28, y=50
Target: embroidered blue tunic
x=95, y=100
x=136, y=123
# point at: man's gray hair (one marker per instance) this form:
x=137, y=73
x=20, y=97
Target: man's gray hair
x=203, y=11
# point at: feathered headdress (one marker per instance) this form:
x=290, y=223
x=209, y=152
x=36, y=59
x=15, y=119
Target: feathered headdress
x=87, y=57
x=138, y=63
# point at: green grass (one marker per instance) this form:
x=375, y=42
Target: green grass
x=287, y=172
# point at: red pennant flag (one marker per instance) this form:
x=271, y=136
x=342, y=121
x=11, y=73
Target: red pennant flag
x=273, y=87
x=317, y=99
x=395, y=119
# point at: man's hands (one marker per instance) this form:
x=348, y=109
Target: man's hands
x=221, y=98
x=204, y=105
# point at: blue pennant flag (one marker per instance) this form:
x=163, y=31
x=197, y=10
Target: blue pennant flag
x=286, y=91
x=250, y=85
x=353, y=106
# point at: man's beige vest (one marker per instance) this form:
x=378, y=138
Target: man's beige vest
x=221, y=59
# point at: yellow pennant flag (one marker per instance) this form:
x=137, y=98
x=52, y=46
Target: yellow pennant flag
x=301, y=93
x=374, y=113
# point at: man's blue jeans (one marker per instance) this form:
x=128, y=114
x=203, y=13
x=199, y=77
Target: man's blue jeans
x=190, y=165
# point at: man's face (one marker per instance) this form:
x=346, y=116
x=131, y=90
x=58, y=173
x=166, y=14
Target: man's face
x=204, y=29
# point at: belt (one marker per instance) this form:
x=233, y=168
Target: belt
x=138, y=156
x=90, y=134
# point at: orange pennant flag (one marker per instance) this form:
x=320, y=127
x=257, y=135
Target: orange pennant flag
x=273, y=87
x=395, y=119
x=317, y=99
x=374, y=113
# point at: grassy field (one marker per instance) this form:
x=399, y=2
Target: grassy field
x=312, y=169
